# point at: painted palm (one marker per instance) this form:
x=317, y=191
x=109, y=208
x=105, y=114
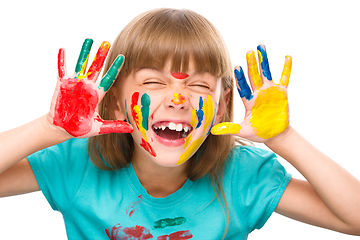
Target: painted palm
x=266, y=105
x=76, y=98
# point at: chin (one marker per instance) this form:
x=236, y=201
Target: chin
x=168, y=158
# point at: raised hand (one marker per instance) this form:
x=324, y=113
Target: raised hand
x=266, y=106
x=76, y=98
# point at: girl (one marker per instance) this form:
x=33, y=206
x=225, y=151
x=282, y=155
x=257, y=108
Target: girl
x=152, y=169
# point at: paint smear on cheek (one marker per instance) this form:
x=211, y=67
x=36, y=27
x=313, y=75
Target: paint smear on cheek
x=145, y=108
x=137, y=115
x=270, y=113
x=190, y=150
x=200, y=112
x=75, y=106
x=193, y=123
x=147, y=147
x=208, y=110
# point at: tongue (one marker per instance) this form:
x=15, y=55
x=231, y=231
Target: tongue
x=169, y=134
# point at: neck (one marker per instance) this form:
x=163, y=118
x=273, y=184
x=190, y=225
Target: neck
x=159, y=181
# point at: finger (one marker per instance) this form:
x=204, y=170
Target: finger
x=61, y=63
x=285, y=76
x=242, y=86
x=255, y=79
x=83, y=58
x=264, y=63
x=112, y=73
x=226, y=128
x=98, y=61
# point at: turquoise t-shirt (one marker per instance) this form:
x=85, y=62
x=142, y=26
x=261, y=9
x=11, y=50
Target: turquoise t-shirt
x=98, y=204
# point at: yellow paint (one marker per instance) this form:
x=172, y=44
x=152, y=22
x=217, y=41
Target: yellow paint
x=193, y=120
x=260, y=56
x=187, y=140
x=253, y=69
x=139, y=122
x=208, y=109
x=178, y=99
x=226, y=128
x=192, y=148
x=81, y=73
x=270, y=113
x=285, y=76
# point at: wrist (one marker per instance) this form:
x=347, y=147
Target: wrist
x=50, y=132
x=280, y=138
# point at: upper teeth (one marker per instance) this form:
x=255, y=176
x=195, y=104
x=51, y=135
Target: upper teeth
x=174, y=126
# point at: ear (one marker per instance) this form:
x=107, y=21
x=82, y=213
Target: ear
x=223, y=103
x=119, y=110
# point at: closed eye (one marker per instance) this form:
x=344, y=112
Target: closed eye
x=200, y=85
x=153, y=82
x=148, y=83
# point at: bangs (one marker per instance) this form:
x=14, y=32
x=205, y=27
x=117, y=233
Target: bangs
x=179, y=36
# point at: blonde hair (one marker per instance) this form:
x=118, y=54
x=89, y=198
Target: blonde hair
x=150, y=41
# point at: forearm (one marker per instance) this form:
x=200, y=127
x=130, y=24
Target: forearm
x=22, y=141
x=337, y=188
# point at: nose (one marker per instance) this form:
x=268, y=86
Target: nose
x=177, y=101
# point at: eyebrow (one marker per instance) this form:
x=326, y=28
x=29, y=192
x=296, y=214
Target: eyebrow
x=142, y=68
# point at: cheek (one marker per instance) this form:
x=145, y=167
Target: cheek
x=205, y=113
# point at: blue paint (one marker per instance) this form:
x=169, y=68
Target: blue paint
x=244, y=89
x=200, y=112
x=264, y=63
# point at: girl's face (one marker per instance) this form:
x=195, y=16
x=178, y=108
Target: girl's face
x=172, y=113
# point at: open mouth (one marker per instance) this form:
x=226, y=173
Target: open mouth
x=171, y=130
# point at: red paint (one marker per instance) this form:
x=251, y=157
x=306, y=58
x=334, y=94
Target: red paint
x=137, y=232
x=180, y=235
x=75, y=106
x=99, y=59
x=117, y=126
x=134, y=206
x=61, y=63
x=134, y=100
x=179, y=75
x=147, y=147
x=134, y=233
x=179, y=99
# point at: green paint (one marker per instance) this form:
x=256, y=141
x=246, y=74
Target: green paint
x=145, y=109
x=112, y=73
x=169, y=222
x=84, y=54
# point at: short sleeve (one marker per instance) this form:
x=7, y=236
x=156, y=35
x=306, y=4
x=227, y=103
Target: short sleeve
x=59, y=171
x=260, y=181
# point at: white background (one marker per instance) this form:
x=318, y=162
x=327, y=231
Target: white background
x=322, y=36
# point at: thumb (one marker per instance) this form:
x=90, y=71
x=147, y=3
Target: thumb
x=226, y=128
x=114, y=126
